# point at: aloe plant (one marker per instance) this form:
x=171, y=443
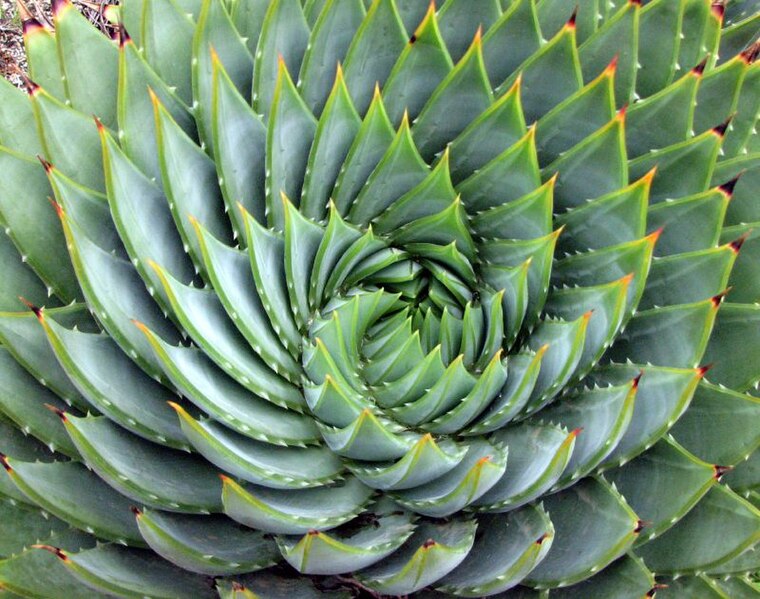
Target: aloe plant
x=355, y=297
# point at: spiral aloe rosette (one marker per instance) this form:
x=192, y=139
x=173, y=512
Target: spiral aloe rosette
x=438, y=319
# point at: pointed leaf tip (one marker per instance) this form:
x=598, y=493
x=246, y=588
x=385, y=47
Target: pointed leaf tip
x=749, y=55
x=612, y=67
x=703, y=370
x=428, y=544
x=4, y=462
x=699, y=69
x=30, y=24
x=57, y=411
x=718, y=9
x=573, y=17
x=736, y=244
x=637, y=379
x=59, y=553
x=59, y=5
x=30, y=86
x=36, y=309
x=135, y=510
x=720, y=130
x=124, y=37
x=728, y=187
x=717, y=300
x=719, y=471
x=640, y=525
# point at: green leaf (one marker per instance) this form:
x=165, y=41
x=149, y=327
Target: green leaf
x=576, y=117
x=266, y=250
x=617, y=38
x=566, y=342
x=202, y=315
x=190, y=183
x=290, y=135
x=508, y=176
x=261, y=463
x=152, y=475
x=734, y=346
x=662, y=397
x=423, y=65
x=133, y=399
x=25, y=402
x=205, y=385
x=58, y=125
x=664, y=118
x=509, y=548
x=594, y=526
x=336, y=131
x=335, y=553
x=333, y=29
x=19, y=280
x=434, y=550
x=594, y=167
x=25, y=340
x=688, y=224
x=675, y=482
x=376, y=46
x=626, y=578
x=239, y=139
x=688, y=277
x=720, y=527
x=682, y=169
x=32, y=226
x=294, y=512
x=616, y=218
x=659, y=41
x=516, y=30
x=164, y=31
x=137, y=127
x=399, y=171
x=714, y=411
x=133, y=573
x=374, y=137
x=75, y=495
x=718, y=93
x=215, y=33
x=461, y=97
x=549, y=75
x=89, y=64
x=460, y=21
x=488, y=135
x=24, y=525
x=480, y=469
x=15, y=117
x=671, y=336
x=538, y=455
x=42, y=58
x=143, y=219
x=211, y=545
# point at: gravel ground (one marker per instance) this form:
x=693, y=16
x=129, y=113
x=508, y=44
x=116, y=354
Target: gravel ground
x=12, y=58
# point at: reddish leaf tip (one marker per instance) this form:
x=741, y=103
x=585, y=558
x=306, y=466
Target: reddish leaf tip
x=540, y=540
x=30, y=25
x=45, y=164
x=573, y=17
x=728, y=186
x=703, y=370
x=750, y=54
x=717, y=300
x=124, y=37
x=4, y=462
x=612, y=66
x=700, y=68
x=637, y=379
x=718, y=9
x=428, y=544
x=313, y=532
x=635, y=2
x=640, y=525
x=59, y=5
x=59, y=553
x=57, y=411
x=237, y=586
x=30, y=86
x=37, y=310
x=135, y=510
x=720, y=130
x=719, y=471
x=576, y=431
x=736, y=244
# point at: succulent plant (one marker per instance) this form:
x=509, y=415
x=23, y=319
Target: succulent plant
x=379, y=297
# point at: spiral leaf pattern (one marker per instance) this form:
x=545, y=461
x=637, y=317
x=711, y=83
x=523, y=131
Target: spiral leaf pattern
x=380, y=297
